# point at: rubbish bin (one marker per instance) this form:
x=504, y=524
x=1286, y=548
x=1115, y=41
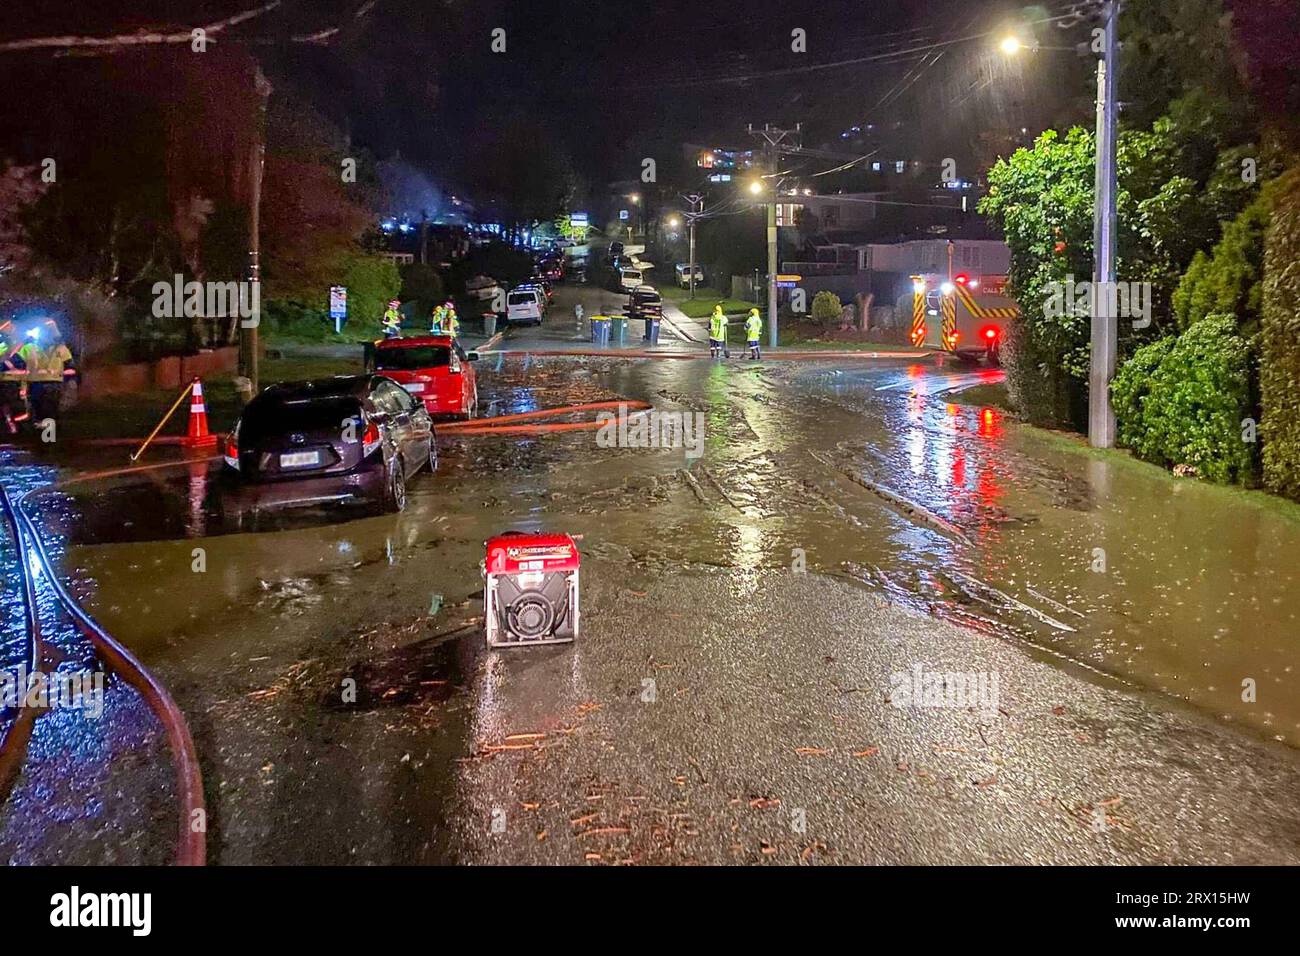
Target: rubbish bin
x=619, y=332
x=652, y=330
x=600, y=331
x=489, y=324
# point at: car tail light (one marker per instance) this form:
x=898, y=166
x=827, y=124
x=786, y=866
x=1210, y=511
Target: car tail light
x=531, y=592
x=231, y=454
x=990, y=333
x=371, y=439
x=455, y=364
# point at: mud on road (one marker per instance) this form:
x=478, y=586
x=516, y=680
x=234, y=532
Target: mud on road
x=746, y=616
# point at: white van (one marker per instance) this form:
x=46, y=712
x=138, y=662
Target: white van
x=524, y=306
x=684, y=274
x=629, y=279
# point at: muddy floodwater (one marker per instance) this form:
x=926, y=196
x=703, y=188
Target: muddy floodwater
x=862, y=475
x=1110, y=565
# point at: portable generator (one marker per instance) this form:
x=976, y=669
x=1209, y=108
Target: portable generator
x=531, y=589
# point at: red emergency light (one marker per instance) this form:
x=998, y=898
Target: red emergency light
x=531, y=589
x=990, y=332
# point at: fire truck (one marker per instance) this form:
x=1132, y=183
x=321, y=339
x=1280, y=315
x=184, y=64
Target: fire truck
x=967, y=315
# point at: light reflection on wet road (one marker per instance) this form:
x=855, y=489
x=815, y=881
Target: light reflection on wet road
x=1177, y=586
x=1100, y=563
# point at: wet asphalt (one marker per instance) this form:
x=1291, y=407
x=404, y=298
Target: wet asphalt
x=735, y=694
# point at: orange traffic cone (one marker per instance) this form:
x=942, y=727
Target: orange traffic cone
x=198, y=436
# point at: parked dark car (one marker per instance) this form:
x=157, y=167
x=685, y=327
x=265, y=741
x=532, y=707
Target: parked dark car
x=644, y=302
x=350, y=438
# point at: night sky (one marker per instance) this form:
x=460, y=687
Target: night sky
x=613, y=82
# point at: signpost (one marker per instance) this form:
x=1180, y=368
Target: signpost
x=338, y=307
x=788, y=281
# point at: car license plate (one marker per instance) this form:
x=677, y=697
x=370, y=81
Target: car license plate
x=414, y=386
x=298, y=459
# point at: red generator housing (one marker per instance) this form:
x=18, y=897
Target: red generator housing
x=531, y=590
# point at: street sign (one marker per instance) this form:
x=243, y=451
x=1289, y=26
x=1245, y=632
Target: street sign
x=783, y=284
x=789, y=278
x=338, y=306
x=622, y=214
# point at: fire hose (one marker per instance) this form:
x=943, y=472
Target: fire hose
x=511, y=424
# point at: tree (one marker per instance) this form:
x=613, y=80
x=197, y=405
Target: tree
x=1280, y=342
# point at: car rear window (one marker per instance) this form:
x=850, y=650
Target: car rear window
x=630, y=274
x=522, y=298
x=324, y=413
x=412, y=357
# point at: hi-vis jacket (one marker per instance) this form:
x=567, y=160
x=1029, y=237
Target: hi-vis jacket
x=753, y=327
x=717, y=325
x=45, y=363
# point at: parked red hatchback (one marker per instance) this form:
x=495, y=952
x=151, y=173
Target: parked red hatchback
x=432, y=368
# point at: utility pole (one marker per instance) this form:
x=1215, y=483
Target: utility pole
x=697, y=209
x=1101, y=416
x=248, y=343
x=773, y=136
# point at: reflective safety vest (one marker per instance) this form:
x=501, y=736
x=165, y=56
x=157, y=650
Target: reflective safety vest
x=717, y=326
x=452, y=324
x=392, y=319
x=439, y=314
x=45, y=364
x=753, y=327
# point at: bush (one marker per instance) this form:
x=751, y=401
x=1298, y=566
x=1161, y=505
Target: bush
x=1280, y=342
x=1196, y=395
x=1131, y=386
x=1038, y=393
x=826, y=308
x=1228, y=279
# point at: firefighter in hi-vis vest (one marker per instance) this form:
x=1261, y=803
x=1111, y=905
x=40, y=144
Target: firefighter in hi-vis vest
x=436, y=319
x=392, y=321
x=753, y=329
x=13, y=392
x=46, y=362
x=718, y=332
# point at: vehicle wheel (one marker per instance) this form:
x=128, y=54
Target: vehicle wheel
x=994, y=357
x=394, y=499
x=433, y=453
x=472, y=412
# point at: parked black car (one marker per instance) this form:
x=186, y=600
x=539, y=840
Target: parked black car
x=644, y=303
x=350, y=438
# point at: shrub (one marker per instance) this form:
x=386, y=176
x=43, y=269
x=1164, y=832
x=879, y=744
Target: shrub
x=1280, y=342
x=826, y=308
x=1228, y=279
x=1130, y=387
x=1197, y=393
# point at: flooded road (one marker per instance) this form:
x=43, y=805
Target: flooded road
x=845, y=522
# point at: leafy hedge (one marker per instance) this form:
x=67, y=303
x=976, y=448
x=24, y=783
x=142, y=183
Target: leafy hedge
x=1181, y=401
x=1280, y=342
x=826, y=308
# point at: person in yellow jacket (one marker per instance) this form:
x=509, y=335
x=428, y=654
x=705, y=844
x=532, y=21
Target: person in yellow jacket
x=47, y=362
x=392, y=323
x=436, y=320
x=753, y=330
x=718, y=332
x=451, y=323
x=13, y=395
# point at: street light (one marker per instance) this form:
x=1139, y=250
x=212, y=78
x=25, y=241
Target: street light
x=1010, y=45
x=674, y=222
x=756, y=186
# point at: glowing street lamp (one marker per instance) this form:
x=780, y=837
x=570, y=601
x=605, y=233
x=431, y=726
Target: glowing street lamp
x=756, y=186
x=1010, y=45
